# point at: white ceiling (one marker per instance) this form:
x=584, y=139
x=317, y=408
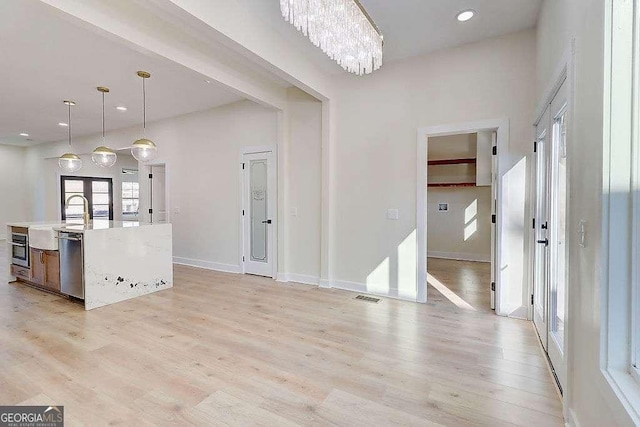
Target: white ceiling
x=417, y=27
x=46, y=58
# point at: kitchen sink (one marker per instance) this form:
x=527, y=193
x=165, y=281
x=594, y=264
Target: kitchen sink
x=44, y=237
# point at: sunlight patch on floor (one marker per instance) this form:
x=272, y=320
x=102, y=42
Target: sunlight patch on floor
x=448, y=293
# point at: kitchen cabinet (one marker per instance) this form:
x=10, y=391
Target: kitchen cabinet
x=37, y=266
x=45, y=268
x=52, y=270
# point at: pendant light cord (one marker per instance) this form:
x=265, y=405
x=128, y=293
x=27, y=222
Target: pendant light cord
x=69, y=105
x=103, y=117
x=144, y=107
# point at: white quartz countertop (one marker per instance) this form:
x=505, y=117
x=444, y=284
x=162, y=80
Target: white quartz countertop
x=78, y=226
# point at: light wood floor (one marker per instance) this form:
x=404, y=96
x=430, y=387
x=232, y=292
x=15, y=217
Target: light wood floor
x=470, y=281
x=224, y=349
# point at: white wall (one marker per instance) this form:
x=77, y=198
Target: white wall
x=464, y=232
x=202, y=155
x=304, y=186
x=589, y=401
x=374, y=153
x=51, y=174
x=13, y=206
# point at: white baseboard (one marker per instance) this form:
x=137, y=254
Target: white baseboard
x=298, y=278
x=361, y=288
x=216, y=266
x=458, y=256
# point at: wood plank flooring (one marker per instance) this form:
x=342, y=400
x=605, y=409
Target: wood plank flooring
x=224, y=349
x=469, y=280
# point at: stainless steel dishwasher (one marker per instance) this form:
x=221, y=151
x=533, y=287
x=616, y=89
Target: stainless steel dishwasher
x=71, y=264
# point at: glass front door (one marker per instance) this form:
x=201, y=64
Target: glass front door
x=550, y=232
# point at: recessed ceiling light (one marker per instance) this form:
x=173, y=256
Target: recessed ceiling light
x=465, y=15
x=121, y=108
x=24, y=134
x=63, y=124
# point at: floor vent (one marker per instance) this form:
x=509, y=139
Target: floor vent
x=368, y=299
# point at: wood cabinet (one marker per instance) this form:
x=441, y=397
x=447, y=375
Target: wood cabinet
x=37, y=266
x=52, y=270
x=45, y=268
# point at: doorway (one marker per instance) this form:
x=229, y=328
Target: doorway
x=550, y=233
x=460, y=208
x=157, y=193
x=258, y=219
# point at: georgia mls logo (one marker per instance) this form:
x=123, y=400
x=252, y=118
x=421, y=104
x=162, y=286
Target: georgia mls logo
x=31, y=416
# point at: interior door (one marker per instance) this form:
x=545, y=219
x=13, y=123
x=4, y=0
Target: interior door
x=550, y=233
x=259, y=213
x=157, y=184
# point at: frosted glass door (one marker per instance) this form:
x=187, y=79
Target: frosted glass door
x=259, y=206
x=258, y=209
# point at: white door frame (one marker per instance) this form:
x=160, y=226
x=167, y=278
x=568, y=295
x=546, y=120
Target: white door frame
x=501, y=127
x=146, y=167
x=241, y=247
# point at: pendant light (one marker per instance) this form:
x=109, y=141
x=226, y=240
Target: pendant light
x=144, y=149
x=104, y=156
x=70, y=162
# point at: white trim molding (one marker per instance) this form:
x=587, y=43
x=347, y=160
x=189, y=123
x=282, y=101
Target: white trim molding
x=459, y=256
x=501, y=126
x=209, y=265
x=298, y=278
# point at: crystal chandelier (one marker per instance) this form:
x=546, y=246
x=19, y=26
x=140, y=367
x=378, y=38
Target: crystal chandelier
x=341, y=28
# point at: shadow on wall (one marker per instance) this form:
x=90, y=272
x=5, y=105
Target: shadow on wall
x=400, y=266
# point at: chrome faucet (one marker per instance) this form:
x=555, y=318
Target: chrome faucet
x=86, y=207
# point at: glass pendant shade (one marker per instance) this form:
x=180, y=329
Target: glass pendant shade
x=144, y=150
x=104, y=157
x=70, y=163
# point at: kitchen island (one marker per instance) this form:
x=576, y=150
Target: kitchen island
x=100, y=263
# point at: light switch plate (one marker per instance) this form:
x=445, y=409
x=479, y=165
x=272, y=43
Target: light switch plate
x=393, y=214
x=294, y=211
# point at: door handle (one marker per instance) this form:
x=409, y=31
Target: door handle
x=267, y=221
x=545, y=242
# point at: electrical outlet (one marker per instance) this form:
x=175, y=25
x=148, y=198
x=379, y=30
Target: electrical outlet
x=393, y=214
x=294, y=211
x=176, y=210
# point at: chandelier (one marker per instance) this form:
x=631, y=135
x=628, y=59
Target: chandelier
x=341, y=28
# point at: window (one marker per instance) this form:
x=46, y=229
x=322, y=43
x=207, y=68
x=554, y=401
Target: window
x=130, y=200
x=620, y=352
x=97, y=191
